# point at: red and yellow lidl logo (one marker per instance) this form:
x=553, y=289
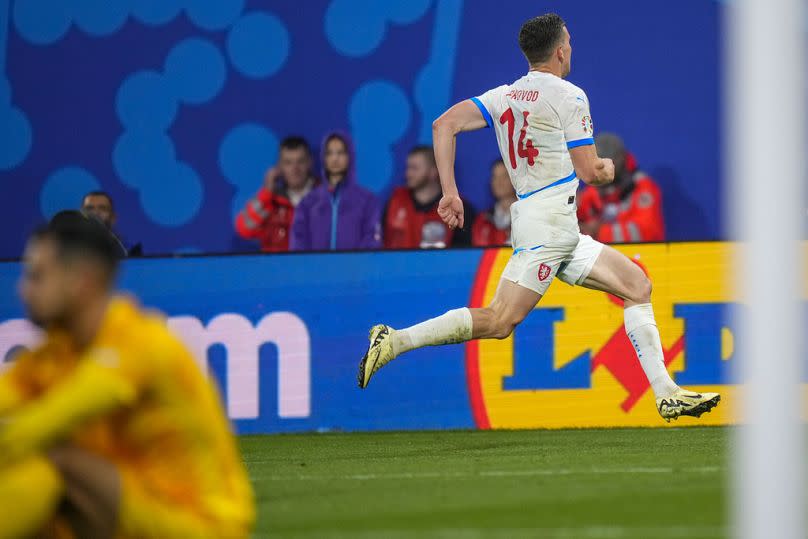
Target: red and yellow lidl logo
x=570, y=364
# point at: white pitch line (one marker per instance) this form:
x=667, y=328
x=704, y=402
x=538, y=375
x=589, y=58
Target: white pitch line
x=488, y=473
x=584, y=532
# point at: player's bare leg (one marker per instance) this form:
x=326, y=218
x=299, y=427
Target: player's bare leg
x=511, y=304
x=92, y=491
x=67, y=490
x=616, y=274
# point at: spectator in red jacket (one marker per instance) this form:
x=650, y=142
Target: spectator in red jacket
x=411, y=218
x=628, y=210
x=493, y=228
x=268, y=216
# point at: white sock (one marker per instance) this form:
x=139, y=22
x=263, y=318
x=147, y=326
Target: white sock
x=449, y=328
x=642, y=331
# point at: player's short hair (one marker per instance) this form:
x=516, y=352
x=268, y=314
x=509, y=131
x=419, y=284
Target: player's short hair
x=77, y=236
x=426, y=151
x=295, y=142
x=540, y=36
x=497, y=161
x=99, y=194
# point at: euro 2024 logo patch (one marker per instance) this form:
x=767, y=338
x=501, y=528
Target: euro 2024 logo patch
x=586, y=124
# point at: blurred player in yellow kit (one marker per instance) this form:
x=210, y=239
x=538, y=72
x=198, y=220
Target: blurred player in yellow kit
x=109, y=429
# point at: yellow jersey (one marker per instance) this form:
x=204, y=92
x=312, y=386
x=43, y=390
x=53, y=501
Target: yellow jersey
x=136, y=397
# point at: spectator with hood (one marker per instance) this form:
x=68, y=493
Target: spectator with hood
x=339, y=214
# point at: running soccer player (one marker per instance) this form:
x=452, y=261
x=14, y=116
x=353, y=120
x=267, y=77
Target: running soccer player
x=109, y=428
x=544, y=131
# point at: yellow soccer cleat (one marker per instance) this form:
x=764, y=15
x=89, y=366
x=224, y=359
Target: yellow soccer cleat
x=684, y=402
x=379, y=354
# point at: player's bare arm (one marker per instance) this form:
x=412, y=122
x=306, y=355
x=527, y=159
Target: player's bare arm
x=590, y=168
x=464, y=116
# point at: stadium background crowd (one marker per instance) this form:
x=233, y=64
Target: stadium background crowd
x=180, y=130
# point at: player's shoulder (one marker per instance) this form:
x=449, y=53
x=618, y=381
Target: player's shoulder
x=568, y=90
x=496, y=92
x=53, y=343
x=138, y=330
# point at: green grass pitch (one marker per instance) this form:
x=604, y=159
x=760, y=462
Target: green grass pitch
x=573, y=484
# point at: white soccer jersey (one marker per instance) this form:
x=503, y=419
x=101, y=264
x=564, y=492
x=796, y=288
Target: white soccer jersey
x=537, y=120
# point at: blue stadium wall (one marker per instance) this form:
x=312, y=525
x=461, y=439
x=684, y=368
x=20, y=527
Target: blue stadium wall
x=176, y=106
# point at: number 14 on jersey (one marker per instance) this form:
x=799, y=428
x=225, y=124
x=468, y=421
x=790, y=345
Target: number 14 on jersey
x=525, y=151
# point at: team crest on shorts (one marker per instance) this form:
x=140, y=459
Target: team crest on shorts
x=544, y=272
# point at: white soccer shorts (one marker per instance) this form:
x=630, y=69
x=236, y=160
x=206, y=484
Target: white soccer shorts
x=536, y=269
x=547, y=242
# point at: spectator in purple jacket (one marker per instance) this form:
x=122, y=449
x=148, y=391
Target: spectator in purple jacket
x=338, y=214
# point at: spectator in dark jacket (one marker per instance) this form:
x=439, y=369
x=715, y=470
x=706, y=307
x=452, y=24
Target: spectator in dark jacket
x=99, y=205
x=268, y=216
x=338, y=214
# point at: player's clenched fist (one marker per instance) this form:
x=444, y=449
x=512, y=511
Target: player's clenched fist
x=605, y=171
x=450, y=209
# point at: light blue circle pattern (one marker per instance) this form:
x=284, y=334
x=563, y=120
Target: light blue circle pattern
x=145, y=102
x=156, y=12
x=215, y=15
x=195, y=70
x=245, y=153
x=405, y=11
x=175, y=198
x=171, y=192
x=140, y=158
x=357, y=27
x=15, y=137
x=15, y=130
x=100, y=18
x=64, y=188
x=379, y=114
x=45, y=21
x=258, y=45
x=42, y=21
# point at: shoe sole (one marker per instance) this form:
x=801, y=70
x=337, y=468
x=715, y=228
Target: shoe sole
x=703, y=408
x=364, y=362
x=697, y=411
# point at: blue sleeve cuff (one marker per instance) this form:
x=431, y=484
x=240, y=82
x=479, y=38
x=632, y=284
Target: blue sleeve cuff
x=488, y=120
x=580, y=142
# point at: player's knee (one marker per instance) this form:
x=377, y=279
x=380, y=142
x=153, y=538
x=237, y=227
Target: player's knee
x=498, y=324
x=504, y=326
x=503, y=329
x=640, y=288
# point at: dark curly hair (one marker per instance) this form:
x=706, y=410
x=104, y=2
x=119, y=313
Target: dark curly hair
x=77, y=236
x=540, y=36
